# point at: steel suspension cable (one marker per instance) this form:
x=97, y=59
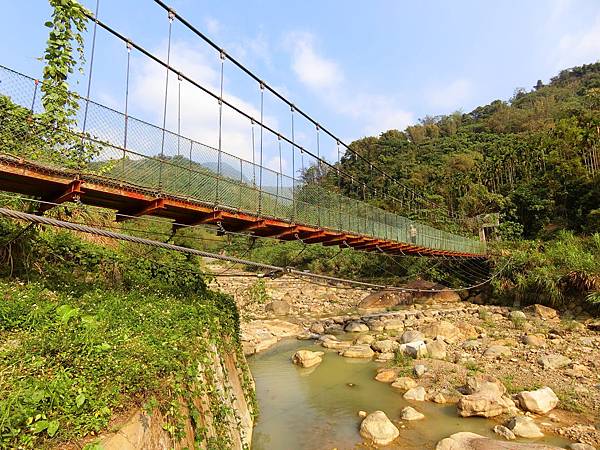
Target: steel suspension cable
x=275, y=92
x=89, y=84
x=168, y=67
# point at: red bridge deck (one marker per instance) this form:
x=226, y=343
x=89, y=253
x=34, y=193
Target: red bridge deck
x=58, y=186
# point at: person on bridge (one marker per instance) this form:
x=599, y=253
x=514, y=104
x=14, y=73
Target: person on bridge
x=412, y=231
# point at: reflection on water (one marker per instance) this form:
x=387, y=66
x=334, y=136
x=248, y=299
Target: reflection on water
x=317, y=408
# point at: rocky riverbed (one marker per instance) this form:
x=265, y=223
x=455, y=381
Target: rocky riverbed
x=530, y=372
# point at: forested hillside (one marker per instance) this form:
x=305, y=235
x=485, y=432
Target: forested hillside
x=534, y=158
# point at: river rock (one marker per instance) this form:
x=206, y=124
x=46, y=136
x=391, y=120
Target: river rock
x=356, y=327
x=358, y=351
x=375, y=324
x=502, y=430
x=471, y=344
x=471, y=441
x=384, y=357
x=334, y=344
x=524, y=426
x=485, y=397
x=364, y=339
x=410, y=413
x=416, y=349
x=439, y=398
x=483, y=382
x=417, y=394
x=497, y=351
x=553, y=361
x=383, y=299
x=278, y=307
x=307, y=358
x=393, y=323
x=411, y=336
x=437, y=349
x=578, y=371
x=443, y=328
x=387, y=375
x=467, y=330
x=404, y=383
x=378, y=429
x=580, y=446
x=385, y=346
x=542, y=312
x=533, y=340
x=317, y=327
x=539, y=401
x=307, y=336
x=419, y=370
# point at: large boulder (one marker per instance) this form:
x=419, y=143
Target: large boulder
x=410, y=413
x=384, y=299
x=437, y=349
x=524, y=426
x=385, y=346
x=393, y=324
x=334, y=344
x=486, y=397
x=533, y=340
x=539, y=401
x=443, y=328
x=306, y=358
x=542, y=312
x=471, y=441
x=417, y=349
x=358, y=351
x=387, y=375
x=404, y=383
x=417, y=394
x=378, y=429
x=411, y=336
x=553, y=361
x=356, y=327
x=278, y=307
x=496, y=351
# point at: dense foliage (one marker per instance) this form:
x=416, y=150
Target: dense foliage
x=97, y=329
x=535, y=159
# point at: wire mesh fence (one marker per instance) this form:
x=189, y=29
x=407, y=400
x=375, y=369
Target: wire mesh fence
x=128, y=150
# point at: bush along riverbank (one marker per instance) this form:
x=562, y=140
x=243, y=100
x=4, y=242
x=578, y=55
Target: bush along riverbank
x=92, y=337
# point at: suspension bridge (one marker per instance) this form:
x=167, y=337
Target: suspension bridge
x=111, y=159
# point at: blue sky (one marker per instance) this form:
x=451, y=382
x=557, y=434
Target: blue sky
x=359, y=67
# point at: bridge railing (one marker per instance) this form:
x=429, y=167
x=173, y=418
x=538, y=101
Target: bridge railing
x=132, y=151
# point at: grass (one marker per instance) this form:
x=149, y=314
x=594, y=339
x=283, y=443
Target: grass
x=514, y=388
x=97, y=331
x=402, y=362
x=74, y=362
x=472, y=368
x=568, y=400
x=518, y=322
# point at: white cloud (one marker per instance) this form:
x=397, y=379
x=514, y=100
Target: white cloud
x=325, y=77
x=450, y=97
x=312, y=69
x=212, y=25
x=580, y=47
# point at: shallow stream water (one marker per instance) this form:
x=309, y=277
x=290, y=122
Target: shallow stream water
x=316, y=409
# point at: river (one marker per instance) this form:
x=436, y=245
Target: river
x=317, y=408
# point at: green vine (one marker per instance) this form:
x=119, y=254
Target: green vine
x=69, y=22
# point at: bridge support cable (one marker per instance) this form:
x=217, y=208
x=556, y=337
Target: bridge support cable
x=166, y=98
x=214, y=95
x=60, y=175
x=89, y=81
x=278, y=95
x=18, y=215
